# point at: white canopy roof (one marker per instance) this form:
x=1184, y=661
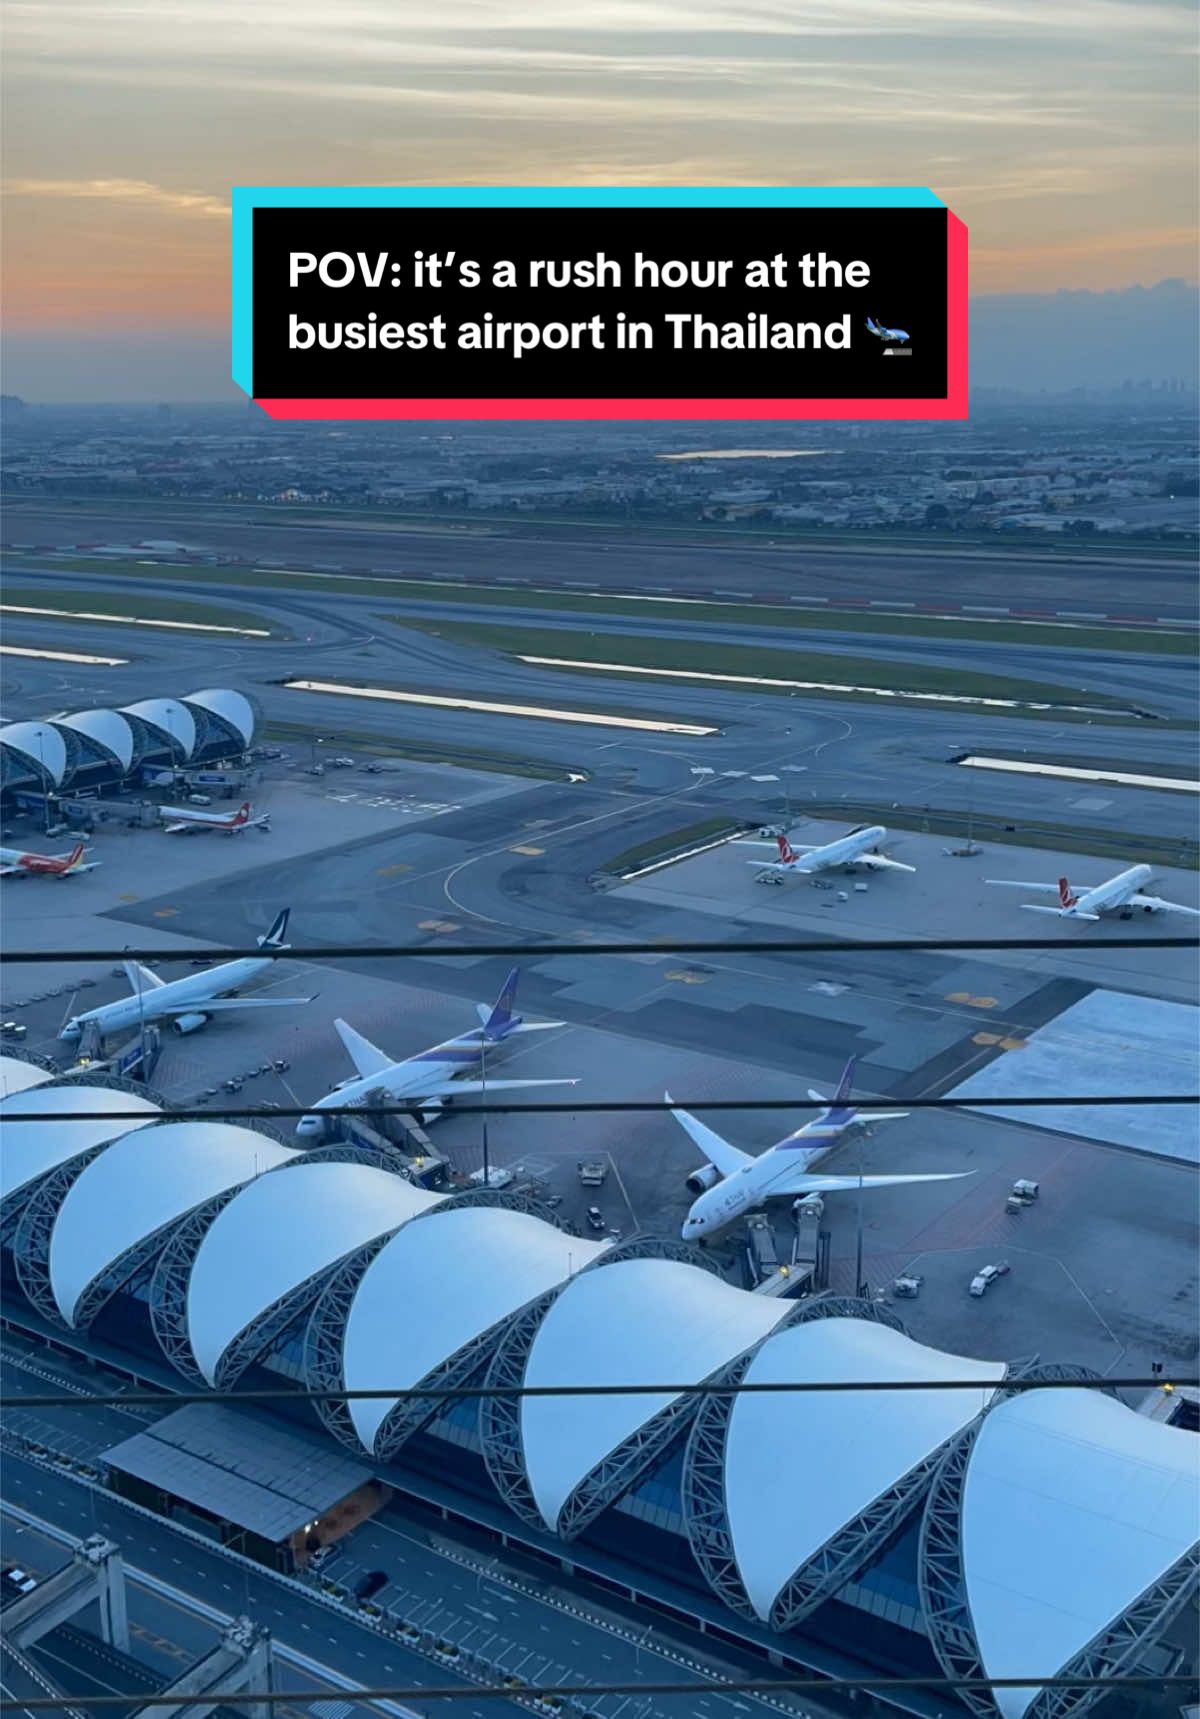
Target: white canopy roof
x=232, y=707
x=635, y=1321
x=437, y=1285
x=800, y=1466
x=1073, y=1505
x=41, y=744
x=279, y=1230
x=140, y=1183
x=108, y=728
x=170, y=718
x=17, y=1075
x=32, y=1149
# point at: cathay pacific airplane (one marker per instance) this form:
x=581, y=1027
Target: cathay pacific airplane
x=433, y=1075
x=734, y=1182
x=188, y=1003
x=1124, y=890
x=860, y=847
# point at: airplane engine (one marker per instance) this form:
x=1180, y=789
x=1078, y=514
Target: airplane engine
x=189, y=1023
x=700, y=1181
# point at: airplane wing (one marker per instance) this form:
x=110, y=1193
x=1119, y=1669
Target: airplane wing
x=1038, y=888
x=174, y=829
x=1157, y=903
x=720, y=1154
x=455, y=1088
x=11, y=870
x=1059, y=912
x=867, y=1117
x=753, y=842
x=810, y=1184
x=367, y=1058
x=207, y=1005
x=141, y=978
x=880, y=862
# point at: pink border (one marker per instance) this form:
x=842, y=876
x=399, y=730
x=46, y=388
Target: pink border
x=954, y=405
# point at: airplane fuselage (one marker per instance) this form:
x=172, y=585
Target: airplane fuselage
x=751, y=1187
x=1107, y=897
x=157, y=1001
x=412, y=1078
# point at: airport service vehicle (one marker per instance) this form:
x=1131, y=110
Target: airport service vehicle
x=187, y=1003
x=185, y=820
x=432, y=1075
x=734, y=1182
x=1122, y=891
x=595, y=1218
x=860, y=847
x=14, y=863
x=593, y=1172
x=988, y=1275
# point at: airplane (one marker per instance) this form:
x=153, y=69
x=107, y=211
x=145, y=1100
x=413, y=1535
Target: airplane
x=431, y=1075
x=896, y=334
x=14, y=863
x=733, y=1182
x=231, y=823
x=190, y=1002
x=1121, y=891
x=858, y=848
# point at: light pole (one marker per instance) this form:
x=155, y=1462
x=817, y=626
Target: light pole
x=859, y=1286
x=487, y=1179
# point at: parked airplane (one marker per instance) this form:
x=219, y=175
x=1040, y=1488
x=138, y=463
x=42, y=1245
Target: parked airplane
x=184, y=818
x=860, y=847
x=188, y=1003
x=432, y=1075
x=14, y=863
x=896, y=334
x=733, y=1182
x=1121, y=891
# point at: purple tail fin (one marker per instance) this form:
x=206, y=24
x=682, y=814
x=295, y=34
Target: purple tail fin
x=845, y=1085
x=502, y=1020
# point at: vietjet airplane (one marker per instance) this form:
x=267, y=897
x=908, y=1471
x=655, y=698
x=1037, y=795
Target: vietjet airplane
x=188, y=1003
x=734, y=1182
x=432, y=1074
x=184, y=818
x=14, y=863
x=1124, y=890
x=860, y=847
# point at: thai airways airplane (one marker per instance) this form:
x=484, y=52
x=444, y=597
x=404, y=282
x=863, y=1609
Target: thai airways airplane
x=14, y=863
x=897, y=334
x=188, y=1003
x=1124, y=890
x=860, y=847
x=432, y=1075
x=187, y=818
x=733, y=1182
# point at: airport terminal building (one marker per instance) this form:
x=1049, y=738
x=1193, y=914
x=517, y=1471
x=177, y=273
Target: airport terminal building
x=97, y=749
x=955, y=1526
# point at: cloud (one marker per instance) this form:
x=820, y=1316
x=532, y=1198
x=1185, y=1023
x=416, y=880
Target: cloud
x=133, y=192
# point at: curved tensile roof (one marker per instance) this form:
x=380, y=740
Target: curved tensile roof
x=1073, y=1506
x=436, y=1286
x=39, y=743
x=801, y=1466
x=280, y=1230
x=632, y=1322
x=33, y=1149
x=170, y=718
x=139, y=1184
x=108, y=729
x=17, y=1075
x=233, y=708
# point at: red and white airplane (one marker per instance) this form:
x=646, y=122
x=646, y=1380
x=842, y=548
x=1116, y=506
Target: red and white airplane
x=860, y=847
x=14, y=863
x=185, y=818
x=1089, y=902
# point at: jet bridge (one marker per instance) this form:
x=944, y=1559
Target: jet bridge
x=95, y=1573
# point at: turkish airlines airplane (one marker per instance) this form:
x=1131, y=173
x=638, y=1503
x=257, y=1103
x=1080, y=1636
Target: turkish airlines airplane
x=433, y=1075
x=860, y=847
x=1124, y=890
x=14, y=863
x=187, y=818
x=733, y=1182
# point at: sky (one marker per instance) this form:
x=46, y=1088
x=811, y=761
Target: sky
x=1062, y=131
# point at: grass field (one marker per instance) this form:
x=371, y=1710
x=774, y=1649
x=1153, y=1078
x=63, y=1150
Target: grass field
x=372, y=746
x=141, y=605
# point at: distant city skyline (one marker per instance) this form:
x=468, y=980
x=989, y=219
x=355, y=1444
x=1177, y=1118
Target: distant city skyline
x=1064, y=136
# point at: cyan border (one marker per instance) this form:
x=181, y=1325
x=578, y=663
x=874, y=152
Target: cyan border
x=247, y=198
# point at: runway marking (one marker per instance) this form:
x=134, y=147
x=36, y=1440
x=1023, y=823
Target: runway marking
x=62, y=656
x=165, y=912
x=525, y=848
x=1013, y=1044
x=544, y=713
x=685, y=977
x=134, y=621
x=437, y=925
x=129, y=898
x=392, y=870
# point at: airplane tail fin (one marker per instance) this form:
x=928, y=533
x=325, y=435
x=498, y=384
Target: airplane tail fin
x=75, y=855
x=500, y=1021
x=1064, y=893
x=274, y=938
x=242, y=813
x=846, y=1084
x=787, y=852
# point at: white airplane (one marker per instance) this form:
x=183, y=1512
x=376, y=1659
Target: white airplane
x=860, y=847
x=187, y=1003
x=186, y=818
x=14, y=863
x=433, y=1075
x=734, y=1182
x=1124, y=890
x=898, y=335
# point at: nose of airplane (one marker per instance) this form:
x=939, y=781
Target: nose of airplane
x=310, y=1127
x=70, y=1032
